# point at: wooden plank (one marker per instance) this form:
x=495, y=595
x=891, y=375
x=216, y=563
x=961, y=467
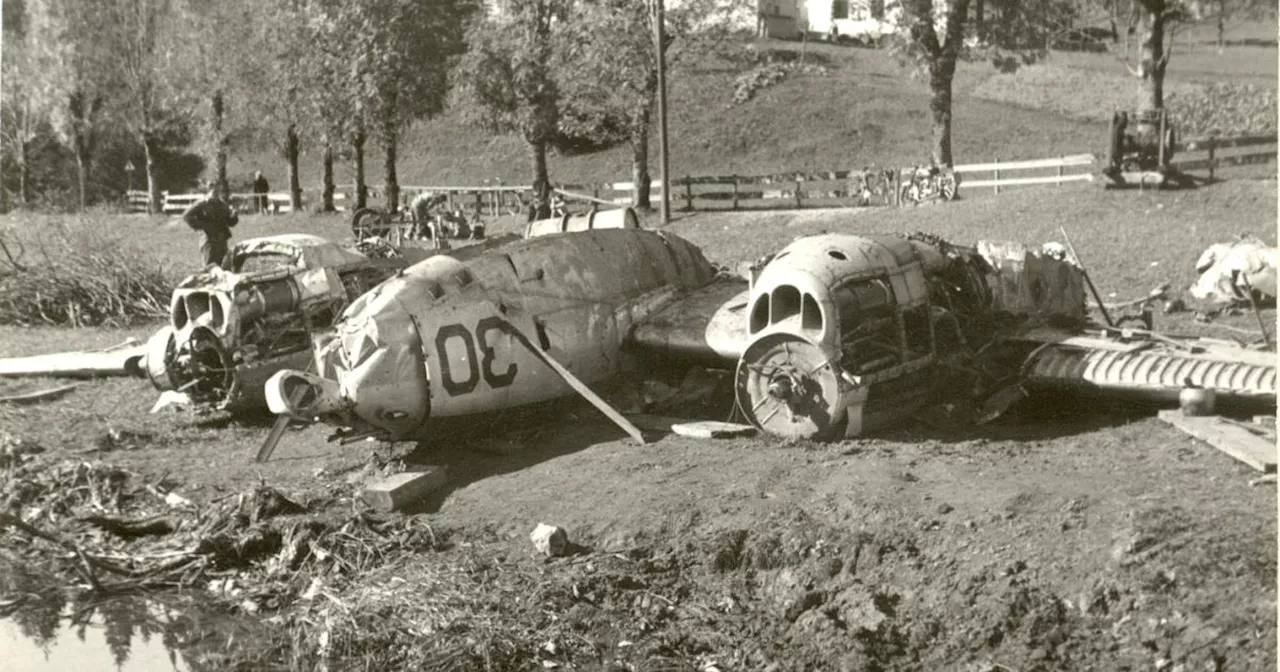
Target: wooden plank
x=1232, y=439
x=1073, y=160
x=1051, y=179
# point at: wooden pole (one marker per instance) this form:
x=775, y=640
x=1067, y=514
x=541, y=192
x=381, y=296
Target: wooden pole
x=688, y=194
x=1060, y=158
x=1212, y=144
x=660, y=45
x=1092, y=290
x=735, y=192
x=798, y=194
x=997, y=171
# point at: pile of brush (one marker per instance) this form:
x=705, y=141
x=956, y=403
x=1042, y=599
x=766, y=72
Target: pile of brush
x=75, y=273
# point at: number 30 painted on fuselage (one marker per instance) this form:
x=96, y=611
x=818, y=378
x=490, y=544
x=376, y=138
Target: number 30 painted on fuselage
x=484, y=365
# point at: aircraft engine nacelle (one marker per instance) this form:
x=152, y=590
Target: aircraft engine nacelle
x=230, y=330
x=845, y=331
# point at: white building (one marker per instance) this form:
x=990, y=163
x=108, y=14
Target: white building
x=856, y=19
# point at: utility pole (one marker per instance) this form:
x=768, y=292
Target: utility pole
x=660, y=39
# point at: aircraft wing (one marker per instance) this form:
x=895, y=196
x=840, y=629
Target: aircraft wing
x=705, y=327
x=1148, y=366
x=121, y=360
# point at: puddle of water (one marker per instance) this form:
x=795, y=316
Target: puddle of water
x=156, y=633
x=96, y=645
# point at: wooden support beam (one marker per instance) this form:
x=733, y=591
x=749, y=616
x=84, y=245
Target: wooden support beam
x=1254, y=449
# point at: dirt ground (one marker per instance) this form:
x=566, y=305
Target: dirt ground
x=1075, y=534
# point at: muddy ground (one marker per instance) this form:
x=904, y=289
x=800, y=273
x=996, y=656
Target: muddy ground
x=1074, y=534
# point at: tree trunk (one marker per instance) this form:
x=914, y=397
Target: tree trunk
x=326, y=204
x=155, y=203
x=640, y=162
x=291, y=151
x=24, y=182
x=541, y=183
x=389, y=165
x=940, y=78
x=82, y=174
x=220, y=151
x=362, y=190
x=1152, y=66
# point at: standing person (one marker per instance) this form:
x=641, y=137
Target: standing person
x=213, y=218
x=260, y=189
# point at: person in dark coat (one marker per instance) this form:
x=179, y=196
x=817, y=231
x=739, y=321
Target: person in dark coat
x=260, y=190
x=214, y=219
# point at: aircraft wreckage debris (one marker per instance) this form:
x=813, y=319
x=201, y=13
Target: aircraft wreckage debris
x=835, y=335
x=711, y=429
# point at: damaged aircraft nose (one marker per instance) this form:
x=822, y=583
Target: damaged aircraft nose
x=372, y=372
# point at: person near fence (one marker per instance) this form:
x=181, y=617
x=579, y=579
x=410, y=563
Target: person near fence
x=260, y=189
x=213, y=218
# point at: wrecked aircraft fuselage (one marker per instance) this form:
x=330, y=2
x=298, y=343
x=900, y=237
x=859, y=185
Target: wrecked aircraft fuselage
x=448, y=338
x=835, y=335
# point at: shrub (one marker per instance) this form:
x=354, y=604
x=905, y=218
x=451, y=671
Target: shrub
x=73, y=272
x=1224, y=109
x=768, y=74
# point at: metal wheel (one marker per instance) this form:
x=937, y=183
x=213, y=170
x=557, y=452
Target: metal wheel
x=512, y=203
x=367, y=222
x=787, y=386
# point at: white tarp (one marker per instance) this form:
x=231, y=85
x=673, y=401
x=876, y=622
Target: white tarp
x=1227, y=270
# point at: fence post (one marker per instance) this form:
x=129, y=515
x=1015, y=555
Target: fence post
x=479, y=203
x=688, y=193
x=735, y=192
x=1212, y=144
x=1060, y=158
x=798, y=194
x=997, y=171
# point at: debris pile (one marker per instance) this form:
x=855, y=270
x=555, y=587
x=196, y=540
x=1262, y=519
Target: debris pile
x=115, y=532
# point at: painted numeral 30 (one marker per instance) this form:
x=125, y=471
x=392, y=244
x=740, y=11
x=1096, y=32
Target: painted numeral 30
x=478, y=366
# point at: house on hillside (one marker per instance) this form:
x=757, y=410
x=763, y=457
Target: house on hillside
x=779, y=19
x=866, y=20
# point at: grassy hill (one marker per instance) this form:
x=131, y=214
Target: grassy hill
x=864, y=110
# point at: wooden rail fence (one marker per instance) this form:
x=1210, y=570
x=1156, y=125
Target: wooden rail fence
x=871, y=186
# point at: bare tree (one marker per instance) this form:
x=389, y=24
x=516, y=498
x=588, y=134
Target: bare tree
x=73, y=79
x=152, y=101
x=20, y=108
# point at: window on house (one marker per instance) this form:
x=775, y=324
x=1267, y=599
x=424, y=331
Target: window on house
x=840, y=9
x=877, y=9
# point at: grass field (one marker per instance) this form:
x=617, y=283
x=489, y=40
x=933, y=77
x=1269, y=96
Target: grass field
x=864, y=111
